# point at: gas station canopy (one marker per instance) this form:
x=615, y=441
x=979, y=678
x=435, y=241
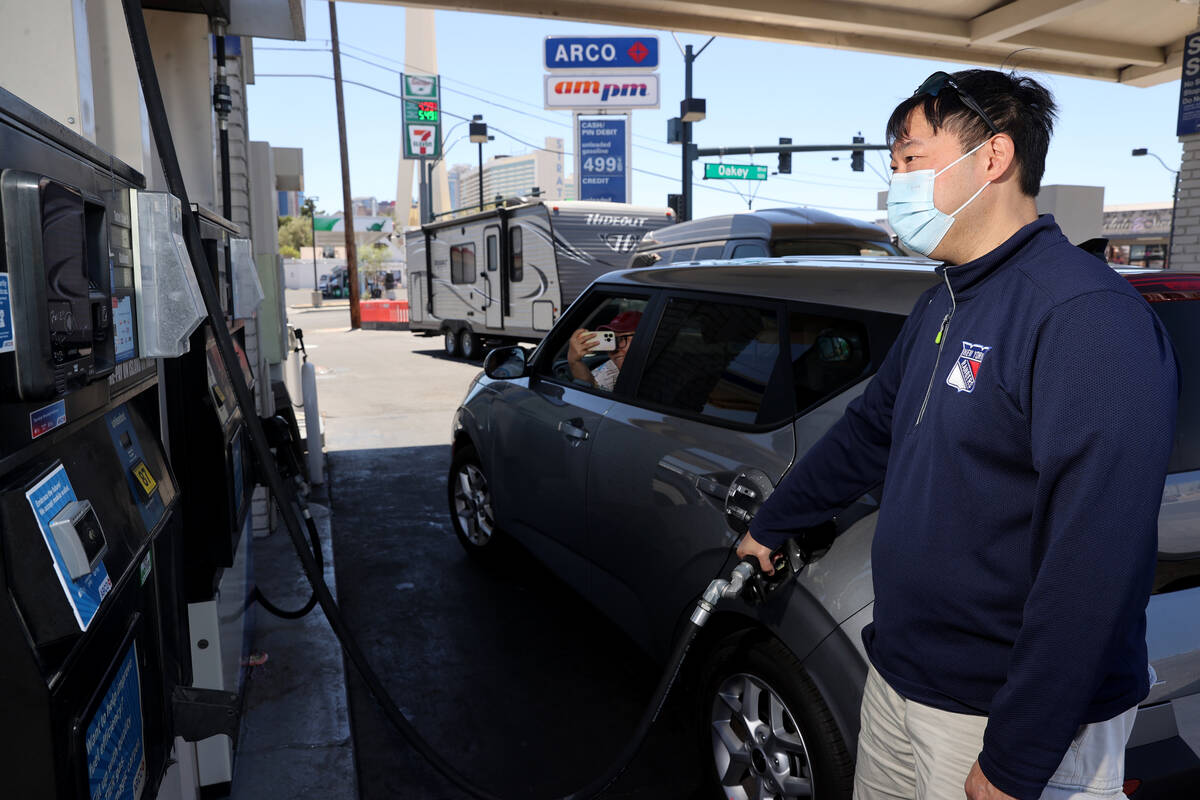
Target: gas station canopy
x=1139, y=42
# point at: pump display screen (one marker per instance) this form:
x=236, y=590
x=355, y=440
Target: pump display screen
x=64, y=248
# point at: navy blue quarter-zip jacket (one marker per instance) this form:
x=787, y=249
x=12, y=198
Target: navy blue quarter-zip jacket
x=1024, y=419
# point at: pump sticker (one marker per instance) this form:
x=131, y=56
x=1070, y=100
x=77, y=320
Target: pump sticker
x=8, y=341
x=47, y=418
x=48, y=497
x=116, y=753
x=122, y=311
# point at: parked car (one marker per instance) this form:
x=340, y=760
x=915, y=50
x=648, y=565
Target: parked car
x=736, y=369
x=758, y=234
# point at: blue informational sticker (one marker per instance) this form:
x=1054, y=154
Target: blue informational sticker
x=122, y=311
x=116, y=752
x=51, y=495
x=602, y=166
x=8, y=341
x=47, y=418
x=141, y=482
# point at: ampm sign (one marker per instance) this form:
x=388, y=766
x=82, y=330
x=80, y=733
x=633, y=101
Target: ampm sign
x=601, y=52
x=595, y=92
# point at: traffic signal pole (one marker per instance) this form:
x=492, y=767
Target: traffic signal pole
x=686, y=177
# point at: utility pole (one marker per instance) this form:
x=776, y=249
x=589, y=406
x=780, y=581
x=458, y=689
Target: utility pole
x=348, y=206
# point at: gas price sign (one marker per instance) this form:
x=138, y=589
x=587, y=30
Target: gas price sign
x=421, y=111
x=603, y=171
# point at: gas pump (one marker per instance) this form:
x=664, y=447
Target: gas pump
x=89, y=625
x=206, y=432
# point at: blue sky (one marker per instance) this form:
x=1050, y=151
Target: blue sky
x=756, y=92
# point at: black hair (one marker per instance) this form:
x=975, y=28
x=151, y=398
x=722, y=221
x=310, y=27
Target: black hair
x=1019, y=106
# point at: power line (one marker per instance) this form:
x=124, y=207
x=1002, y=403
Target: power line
x=835, y=183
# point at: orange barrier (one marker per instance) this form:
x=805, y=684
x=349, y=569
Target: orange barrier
x=384, y=313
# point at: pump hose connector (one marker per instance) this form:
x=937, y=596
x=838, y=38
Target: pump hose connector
x=721, y=588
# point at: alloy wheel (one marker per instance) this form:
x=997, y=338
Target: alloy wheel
x=758, y=749
x=473, y=505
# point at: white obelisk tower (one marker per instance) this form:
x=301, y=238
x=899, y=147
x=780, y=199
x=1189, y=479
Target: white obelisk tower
x=420, y=57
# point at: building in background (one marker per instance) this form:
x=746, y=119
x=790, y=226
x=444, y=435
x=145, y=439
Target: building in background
x=455, y=175
x=290, y=204
x=365, y=206
x=1138, y=234
x=289, y=180
x=512, y=176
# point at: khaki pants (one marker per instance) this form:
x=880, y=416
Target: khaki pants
x=908, y=751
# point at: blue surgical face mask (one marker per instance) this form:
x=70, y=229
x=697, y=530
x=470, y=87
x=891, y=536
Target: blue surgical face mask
x=911, y=212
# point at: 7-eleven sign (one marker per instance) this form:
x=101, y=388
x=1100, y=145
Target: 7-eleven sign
x=421, y=141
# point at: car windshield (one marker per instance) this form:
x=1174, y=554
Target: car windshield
x=832, y=247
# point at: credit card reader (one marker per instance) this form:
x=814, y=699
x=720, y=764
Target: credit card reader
x=79, y=537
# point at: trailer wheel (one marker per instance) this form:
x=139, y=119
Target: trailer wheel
x=469, y=345
x=450, y=342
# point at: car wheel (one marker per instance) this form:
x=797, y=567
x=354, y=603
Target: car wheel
x=471, y=506
x=468, y=344
x=765, y=730
x=450, y=342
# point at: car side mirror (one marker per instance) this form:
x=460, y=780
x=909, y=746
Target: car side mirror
x=505, y=363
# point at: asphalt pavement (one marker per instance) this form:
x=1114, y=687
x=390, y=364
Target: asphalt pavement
x=521, y=686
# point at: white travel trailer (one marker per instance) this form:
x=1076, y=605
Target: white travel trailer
x=506, y=274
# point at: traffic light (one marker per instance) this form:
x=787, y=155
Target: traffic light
x=856, y=156
x=785, y=159
x=675, y=203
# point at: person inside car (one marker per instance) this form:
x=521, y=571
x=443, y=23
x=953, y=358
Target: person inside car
x=583, y=343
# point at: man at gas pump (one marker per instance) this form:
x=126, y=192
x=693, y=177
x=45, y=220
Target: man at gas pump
x=1024, y=419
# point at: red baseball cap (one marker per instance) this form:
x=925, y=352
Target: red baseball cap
x=625, y=322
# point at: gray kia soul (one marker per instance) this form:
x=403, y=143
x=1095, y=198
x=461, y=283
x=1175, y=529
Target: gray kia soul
x=734, y=370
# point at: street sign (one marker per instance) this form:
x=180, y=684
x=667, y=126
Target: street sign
x=603, y=166
x=601, y=52
x=595, y=91
x=421, y=111
x=1188, y=122
x=421, y=140
x=743, y=172
x=420, y=87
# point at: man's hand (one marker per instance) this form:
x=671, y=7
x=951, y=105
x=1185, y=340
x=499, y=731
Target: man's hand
x=749, y=547
x=581, y=343
x=980, y=788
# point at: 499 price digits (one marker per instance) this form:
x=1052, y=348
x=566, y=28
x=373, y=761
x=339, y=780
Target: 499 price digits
x=603, y=164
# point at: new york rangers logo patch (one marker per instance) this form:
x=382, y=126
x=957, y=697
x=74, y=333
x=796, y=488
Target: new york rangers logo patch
x=965, y=371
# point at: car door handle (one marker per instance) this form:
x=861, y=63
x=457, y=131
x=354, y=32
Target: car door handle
x=573, y=429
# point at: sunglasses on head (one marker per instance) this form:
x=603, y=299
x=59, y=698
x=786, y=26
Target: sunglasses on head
x=938, y=81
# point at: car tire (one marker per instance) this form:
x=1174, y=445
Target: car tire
x=450, y=342
x=469, y=345
x=469, y=495
x=746, y=757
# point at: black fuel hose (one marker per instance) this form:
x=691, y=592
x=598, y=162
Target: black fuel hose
x=160, y=127
x=314, y=541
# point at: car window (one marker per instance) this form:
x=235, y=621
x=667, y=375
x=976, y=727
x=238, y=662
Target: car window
x=832, y=247
x=682, y=254
x=749, y=250
x=827, y=354
x=462, y=263
x=709, y=251
x=595, y=369
x=714, y=359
